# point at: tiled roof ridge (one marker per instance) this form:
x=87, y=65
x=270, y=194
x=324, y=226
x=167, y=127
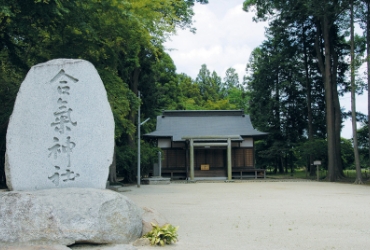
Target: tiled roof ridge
x=196, y=113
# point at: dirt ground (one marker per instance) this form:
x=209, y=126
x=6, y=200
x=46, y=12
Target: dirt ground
x=262, y=214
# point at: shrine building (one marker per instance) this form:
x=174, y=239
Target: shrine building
x=216, y=144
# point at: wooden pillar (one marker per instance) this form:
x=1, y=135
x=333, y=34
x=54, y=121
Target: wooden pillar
x=191, y=159
x=229, y=159
x=160, y=163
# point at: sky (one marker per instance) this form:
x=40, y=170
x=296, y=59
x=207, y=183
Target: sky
x=225, y=37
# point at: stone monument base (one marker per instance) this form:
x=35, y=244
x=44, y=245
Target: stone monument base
x=68, y=216
x=156, y=180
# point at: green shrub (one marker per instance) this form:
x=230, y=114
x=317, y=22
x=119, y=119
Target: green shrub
x=162, y=235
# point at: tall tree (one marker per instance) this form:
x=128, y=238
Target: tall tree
x=363, y=14
x=209, y=84
x=123, y=39
x=191, y=98
x=325, y=17
x=353, y=96
x=276, y=95
x=231, y=79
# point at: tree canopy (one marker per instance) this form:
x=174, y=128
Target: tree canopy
x=291, y=86
x=123, y=39
x=303, y=66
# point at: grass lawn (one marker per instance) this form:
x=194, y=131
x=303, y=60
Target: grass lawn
x=302, y=174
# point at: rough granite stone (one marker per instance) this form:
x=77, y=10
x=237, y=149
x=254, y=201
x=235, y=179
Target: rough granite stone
x=30, y=247
x=151, y=215
x=61, y=131
x=105, y=247
x=68, y=216
x=141, y=242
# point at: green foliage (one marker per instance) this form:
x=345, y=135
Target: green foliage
x=123, y=39
x=10, y=79
x=209, y=84
x=121, y=99
x=347, y=154
x=238, y=97
x=149, y=156
x=162, y=235
x=363, y=144
x=209, y=92
x=317, y=148
x=288, y=73
x=231, y=79
x=222, y=104
x=126, y=163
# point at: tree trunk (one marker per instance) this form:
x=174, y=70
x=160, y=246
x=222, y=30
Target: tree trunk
x=309, y=102
x=291, y=163
x=368, y=67
x=330, y=116
x=113, y=168
x=353, y=102
x=338, y=117
x=285, y=162
x=281, y=164
x=275, y=168
x=333, y=118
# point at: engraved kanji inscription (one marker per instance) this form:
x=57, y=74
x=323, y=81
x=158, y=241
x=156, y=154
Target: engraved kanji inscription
x=63, y=90
x=63, y=78
x=62, y=120
x=62, y=175
x=55, y=149
x=63, y=145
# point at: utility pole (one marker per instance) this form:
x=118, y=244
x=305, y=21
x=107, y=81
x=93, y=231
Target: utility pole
x=138, y=141
x=139, y=123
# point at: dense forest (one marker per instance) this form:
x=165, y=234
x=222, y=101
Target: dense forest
x=291, y=86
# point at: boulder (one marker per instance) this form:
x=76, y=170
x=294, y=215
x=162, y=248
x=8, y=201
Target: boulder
x=68, y=216
x=104, y=247
x=36, y=247
x=151, y=215
x=141, y=242
x=61, y=131
x=76, y=247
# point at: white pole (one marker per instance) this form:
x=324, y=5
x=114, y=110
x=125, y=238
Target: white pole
x=191, y=159
x=160, y=163
x=138, y=142
x=229, y=173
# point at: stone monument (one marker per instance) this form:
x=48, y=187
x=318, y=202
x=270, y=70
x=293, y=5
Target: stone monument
x=67, y=216
x=60, y=144
x=61, y=131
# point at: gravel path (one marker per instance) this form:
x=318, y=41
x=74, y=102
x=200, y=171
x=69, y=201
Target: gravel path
x=262, y=214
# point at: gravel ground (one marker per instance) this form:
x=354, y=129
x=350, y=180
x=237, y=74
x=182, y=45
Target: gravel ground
x=262, y=214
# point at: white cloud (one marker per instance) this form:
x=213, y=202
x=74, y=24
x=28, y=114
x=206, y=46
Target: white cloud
x=226, y=36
